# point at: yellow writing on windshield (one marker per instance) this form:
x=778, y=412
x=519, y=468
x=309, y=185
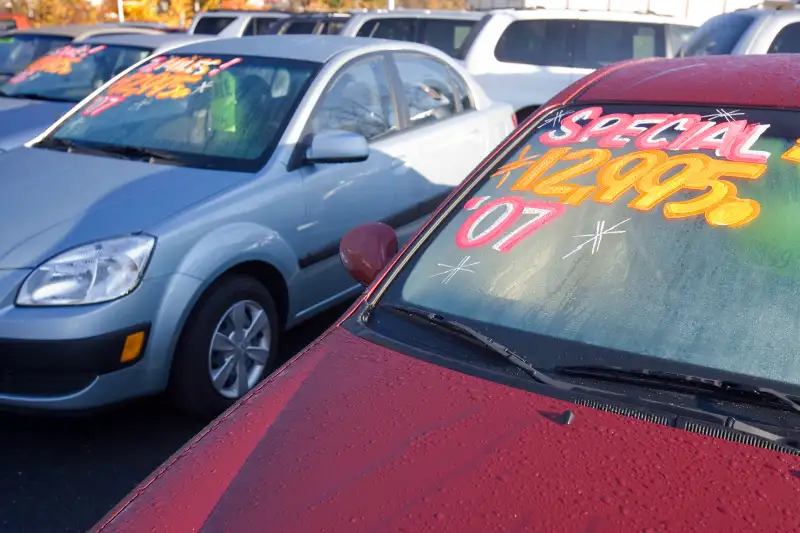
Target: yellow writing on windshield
x=653, y=174
x=58, y=62
x=160, y=85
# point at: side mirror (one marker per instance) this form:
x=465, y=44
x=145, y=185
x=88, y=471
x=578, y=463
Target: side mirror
x=337, y=146
x=366, y=250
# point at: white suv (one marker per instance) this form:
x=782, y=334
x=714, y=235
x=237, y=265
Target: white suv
x=525, y=57
x=234, y=23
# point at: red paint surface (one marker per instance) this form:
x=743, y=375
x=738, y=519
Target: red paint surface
x=371, y=440
x=769, y=80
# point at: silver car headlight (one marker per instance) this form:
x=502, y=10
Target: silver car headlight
x=89, y=274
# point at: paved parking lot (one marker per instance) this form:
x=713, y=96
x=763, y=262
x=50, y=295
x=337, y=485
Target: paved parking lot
x=62, y=475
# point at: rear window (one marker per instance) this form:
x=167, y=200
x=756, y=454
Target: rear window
x=718, y=36
x=398, y=29
x=299, y=28
x=209, y=25
x=446, y=35
x=579, y=43
x=626, y=233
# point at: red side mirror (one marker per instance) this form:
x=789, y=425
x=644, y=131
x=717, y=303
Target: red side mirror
x=367, y=249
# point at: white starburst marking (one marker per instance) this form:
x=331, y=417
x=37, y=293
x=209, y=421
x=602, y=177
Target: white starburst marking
x=140, y=104
x=202, y=87
x=462, y=266
x=555, y=119
x=597, y=237
x=729, y=116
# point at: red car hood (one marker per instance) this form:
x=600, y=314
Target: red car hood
x=354, y=437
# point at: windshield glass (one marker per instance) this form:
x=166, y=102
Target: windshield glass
x=73, y=72
x=667, y=232
x=718, y=36
x=17, y=51
x=218, y=111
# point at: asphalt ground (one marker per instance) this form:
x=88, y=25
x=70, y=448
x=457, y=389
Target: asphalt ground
x=61, y=475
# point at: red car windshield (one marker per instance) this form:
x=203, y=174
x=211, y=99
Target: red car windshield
x=665, y=232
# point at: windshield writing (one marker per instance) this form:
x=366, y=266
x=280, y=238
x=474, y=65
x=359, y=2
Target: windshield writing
x=212, y=110
x=661, y=232
x=19, y=51
x=73, y=72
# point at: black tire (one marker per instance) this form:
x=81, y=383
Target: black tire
x=190, y=386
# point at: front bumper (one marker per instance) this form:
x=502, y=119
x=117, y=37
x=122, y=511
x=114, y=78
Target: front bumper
x=75, y=358
x=52, y=368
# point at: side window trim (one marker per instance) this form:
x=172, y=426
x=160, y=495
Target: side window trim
x=296, y=160
x=401, y=95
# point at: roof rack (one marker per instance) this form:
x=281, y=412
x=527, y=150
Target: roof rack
x=219, y=10
x=777, y=4
x=577, y=10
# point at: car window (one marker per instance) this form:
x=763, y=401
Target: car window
x=473, y=34
x=260, y=25
x=359, y=100
x=678, y=36
x=446, y=35
x=209, y=111
x=600, y=43
x=464, y=94
x=397, y=29
x=332, y=27
x=537, y=42
x=427, y=87
x=18, y=51
x=210, y=25
x=299, y=28
x=619, y=235
x=718, y=36
x=787, y=41
x=8, y=24
x=73, y=72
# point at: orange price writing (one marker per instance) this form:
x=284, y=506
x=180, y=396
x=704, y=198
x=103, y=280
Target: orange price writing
x=644, y=172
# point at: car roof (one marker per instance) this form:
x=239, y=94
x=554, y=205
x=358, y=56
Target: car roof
x=242, y=12
x=766, y=13
x=153, y=41
x=317, y=48
x=81, y=31
x=316, y=16
x=420, y=13
x=593, y=14
x=767, y=80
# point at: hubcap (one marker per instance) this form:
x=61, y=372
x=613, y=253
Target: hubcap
x=239, y=350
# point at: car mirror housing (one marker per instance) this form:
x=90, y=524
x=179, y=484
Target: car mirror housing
x=337, y=146
x=366, y=250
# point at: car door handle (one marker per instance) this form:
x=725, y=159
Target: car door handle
x=397, y=163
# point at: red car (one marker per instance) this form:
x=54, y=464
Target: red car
x=596, y=333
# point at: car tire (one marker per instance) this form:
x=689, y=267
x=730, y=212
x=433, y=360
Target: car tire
x=227, y=309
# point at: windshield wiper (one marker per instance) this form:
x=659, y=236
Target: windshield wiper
x=71, y=146
x=34, y=96
x=715, y=388
x=138, y=153
x=489, y=345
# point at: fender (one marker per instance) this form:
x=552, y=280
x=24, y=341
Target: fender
x=236, y=243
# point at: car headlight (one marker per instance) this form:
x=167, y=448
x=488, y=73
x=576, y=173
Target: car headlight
x=89, y=274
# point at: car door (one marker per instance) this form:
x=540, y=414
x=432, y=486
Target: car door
x=341, y=196
x=446, y=136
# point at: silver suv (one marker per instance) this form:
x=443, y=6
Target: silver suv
x=746, y=32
